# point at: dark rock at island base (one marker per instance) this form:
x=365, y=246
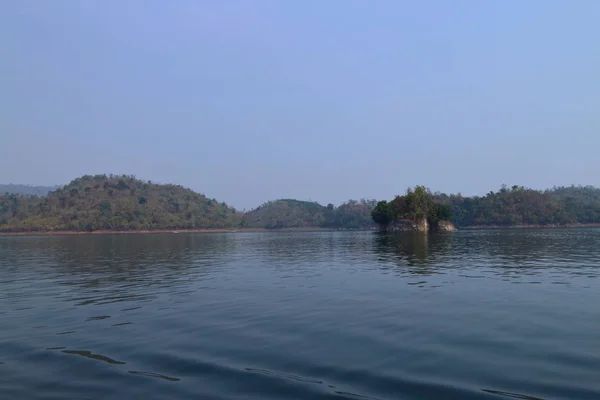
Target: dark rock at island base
x=406, y=225
x=444, y=226
x=421, y=225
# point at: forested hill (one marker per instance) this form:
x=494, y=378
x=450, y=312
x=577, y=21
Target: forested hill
x=103, y=202
x=112, y=202
x=521, y=206
x=26, y=190
x=288, y=213
x=285, y=213
x=116, y=203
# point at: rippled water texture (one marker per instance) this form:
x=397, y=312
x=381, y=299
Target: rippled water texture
x=469, y=315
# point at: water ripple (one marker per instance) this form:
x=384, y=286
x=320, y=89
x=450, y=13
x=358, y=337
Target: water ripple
x=98, y=318
x=88, y=354
x=155, y=375
x=282, y=375
x=324, y=315
x=511, y=395
x=122, y=324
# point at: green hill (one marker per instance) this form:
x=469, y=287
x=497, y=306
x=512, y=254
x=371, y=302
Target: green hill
x=352, y=214
x=288, y=213
x=117, y=203
x=102, y=202
x=14, y=207
x=285, y=213
x=522, y=206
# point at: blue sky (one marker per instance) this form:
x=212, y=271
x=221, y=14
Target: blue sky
x=248, y=101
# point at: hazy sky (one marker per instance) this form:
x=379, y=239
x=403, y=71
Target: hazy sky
x=253, y=100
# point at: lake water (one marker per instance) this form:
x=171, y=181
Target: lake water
x=325, y=315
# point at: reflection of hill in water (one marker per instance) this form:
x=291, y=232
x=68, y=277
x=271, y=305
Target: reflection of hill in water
x=504, y=252
x=82, y=252
x=522, y=248
x=110, y=268
x=515, y=254
x=310, y=247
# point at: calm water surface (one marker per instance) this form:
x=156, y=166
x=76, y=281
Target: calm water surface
x=469, y=315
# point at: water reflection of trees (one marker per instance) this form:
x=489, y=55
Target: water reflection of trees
x=113, y=267
x=522, y=248
x=308, y=252
x=531, y=252
x=110, y=268
x=292, y=249
x=421, y=253
x=504, y=252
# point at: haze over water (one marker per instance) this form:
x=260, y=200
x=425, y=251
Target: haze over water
x=326, y=315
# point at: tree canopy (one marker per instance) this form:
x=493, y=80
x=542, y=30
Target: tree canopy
x=122, y=202
x=116, y=203
x=518, y=205
x=416, y=204
x=288, y=213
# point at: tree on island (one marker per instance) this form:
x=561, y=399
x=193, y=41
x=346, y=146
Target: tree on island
x=416, y=205
x=383, y=213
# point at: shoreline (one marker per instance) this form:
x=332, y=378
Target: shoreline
x=498, y=227
x=279, y=230
x=172, y=231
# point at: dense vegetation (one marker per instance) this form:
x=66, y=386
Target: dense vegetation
x=284, y=214
x=125, y=203
x=515, y=206
x=114, y=202
x=352, y=214
x=14, y=207
x=415, y=205
x=26, y=190
x=521, y=206
x=289, y=213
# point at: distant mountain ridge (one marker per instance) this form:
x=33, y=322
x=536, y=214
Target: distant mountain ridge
x=26, y=190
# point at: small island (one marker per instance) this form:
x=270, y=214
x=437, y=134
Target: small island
x=416, y=211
